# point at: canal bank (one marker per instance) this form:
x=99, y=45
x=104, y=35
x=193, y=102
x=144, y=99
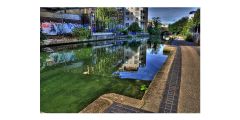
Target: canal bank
x=95, y=38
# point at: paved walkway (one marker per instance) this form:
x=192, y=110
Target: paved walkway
x=182, y=93
x=120, y=108
x=189, y=96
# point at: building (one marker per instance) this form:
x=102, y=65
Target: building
x=191, y=14
x=136, y=14
x=120, y=15
x=59, y=15
x=62, y=20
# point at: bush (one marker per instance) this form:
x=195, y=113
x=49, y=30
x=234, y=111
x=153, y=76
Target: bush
x=134, y=27
x=42, y=36
x=124, y=32
x=143, y=87
x=129, y=36
x=81, y=33
x=189, y=38
x=153, y=31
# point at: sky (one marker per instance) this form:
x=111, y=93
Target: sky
x=169, y=15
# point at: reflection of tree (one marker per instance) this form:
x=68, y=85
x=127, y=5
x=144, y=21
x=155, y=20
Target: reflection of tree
x=134, y=46
x=155, y=48
x=154, y=45
x=105, y=59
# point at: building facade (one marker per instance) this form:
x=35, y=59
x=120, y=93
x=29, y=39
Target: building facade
x=136, y=14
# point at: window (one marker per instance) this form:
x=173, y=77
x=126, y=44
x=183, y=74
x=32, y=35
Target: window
x=136, y=13
x=136, y=19
x=127, y=24
x=127, y=13
x=127, y=18
x=136, y=8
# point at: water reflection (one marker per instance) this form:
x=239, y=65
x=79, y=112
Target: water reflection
x=144, y=64
x=121, y=59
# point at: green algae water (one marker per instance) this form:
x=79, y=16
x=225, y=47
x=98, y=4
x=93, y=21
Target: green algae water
x=73, y=76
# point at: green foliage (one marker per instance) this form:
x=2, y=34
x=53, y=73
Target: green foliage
x=186, y=29
x=196, y=18
x=185, y=25
x=151, y=31
x=124, y=32
x=178, y=26
x=157, y=22
x=134, y=27
x=106, y=18
x=189, y=38
x=157, y=26
x=143, y=87
x=129, y=36
x=42, y=36
x=81, y=33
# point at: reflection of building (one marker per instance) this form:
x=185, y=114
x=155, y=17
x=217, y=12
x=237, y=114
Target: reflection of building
x=136, y=14
x=143, y=52
x=133, y=59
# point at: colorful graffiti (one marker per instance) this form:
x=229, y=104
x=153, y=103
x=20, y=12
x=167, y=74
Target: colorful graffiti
x=51, y=28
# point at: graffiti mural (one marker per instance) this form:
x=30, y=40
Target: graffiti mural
x=51, y=28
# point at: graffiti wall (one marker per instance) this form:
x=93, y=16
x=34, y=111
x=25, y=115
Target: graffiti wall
x=51, y=28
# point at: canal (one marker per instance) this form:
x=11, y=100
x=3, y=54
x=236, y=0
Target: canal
x=73, y=76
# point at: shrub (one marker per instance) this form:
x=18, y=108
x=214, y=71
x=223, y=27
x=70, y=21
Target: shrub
x=124, y=32
x=189, y=38
x=153, y=31
x=81, y=33
x=143, y=87
x=134, y=27
x=129, y=36
x=42, y=36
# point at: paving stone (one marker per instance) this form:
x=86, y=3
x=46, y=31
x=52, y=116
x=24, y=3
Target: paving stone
x=120, y=108
x=170, y=98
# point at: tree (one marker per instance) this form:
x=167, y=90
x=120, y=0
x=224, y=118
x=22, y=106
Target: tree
x=134, y=27
x=196, y=18
x=106, y=17
x=156, y=22
x=196, y=21
x=187, y=28
x=178, y=26
x=81, y=33
x=155, y=26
